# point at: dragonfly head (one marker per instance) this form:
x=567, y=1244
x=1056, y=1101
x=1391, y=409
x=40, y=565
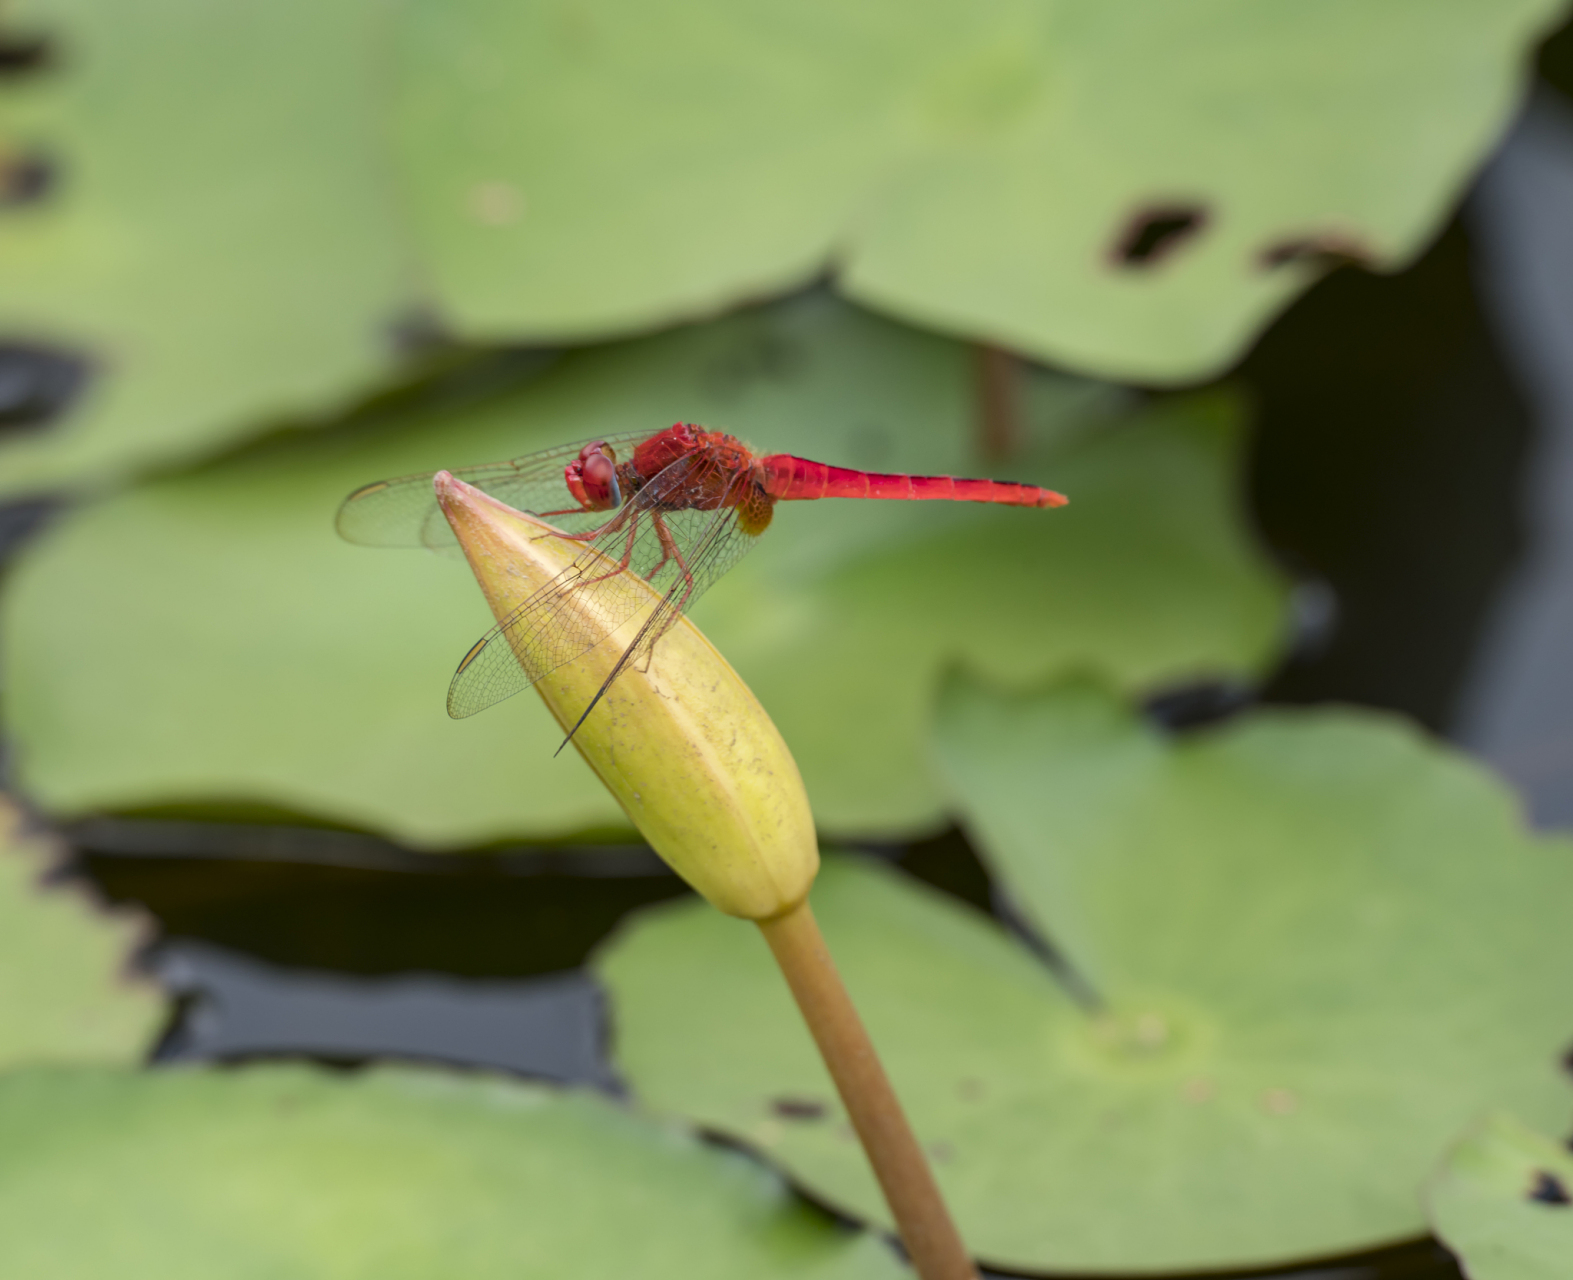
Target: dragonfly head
x=592, y=478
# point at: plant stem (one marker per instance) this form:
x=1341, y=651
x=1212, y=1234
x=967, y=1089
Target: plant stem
x=922, y=1219
x=998, y=405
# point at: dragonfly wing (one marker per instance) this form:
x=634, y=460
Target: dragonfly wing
x=646, y=559
x=403, y=512
x=563, y=620
x=721, y=544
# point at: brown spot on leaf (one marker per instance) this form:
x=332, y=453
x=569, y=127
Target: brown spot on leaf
x=496, y=203
x=798, y=1109
x=25, y=179
x=1280, y=1102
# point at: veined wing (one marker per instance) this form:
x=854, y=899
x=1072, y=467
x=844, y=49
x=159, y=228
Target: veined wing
x=650, y=558
x=718, y=550
x=403, y=512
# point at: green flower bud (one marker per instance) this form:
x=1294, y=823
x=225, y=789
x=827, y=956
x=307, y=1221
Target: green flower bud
x=683, y=745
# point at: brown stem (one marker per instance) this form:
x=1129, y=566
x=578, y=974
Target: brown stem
x=999, y=408
x=921, y=1217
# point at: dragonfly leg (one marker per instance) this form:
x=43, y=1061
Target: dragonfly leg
x=589, y=535
x=628, y=555
x=668, y=548
x=669, y=551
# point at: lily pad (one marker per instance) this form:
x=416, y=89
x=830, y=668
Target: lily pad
x=218, y=236
x=1503, y=1202
x=1128, y=190
x=254, y=658
x=287, y=1171
x=1321, y=945
x=65, y=987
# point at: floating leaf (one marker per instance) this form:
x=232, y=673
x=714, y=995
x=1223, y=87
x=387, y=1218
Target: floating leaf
x=217, y=237
x=1127, y=189
x=65, y=992
x=1503, y=1202
x=206, y=638
x=1323, y=946
x=287, y=1171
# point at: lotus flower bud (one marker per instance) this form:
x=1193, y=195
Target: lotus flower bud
x=684, y=746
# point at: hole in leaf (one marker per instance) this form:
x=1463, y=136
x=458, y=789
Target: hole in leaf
x=25, y=179
x=21, y=55
x=798, y=1109
x=1327, y=249
x=1155, y=233
x=1547, y=1188
x=37, y=383
x=1194, y=706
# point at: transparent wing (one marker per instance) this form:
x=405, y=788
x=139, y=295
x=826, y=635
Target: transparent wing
x=654, y=541
x=720, y=547
x=403, y=512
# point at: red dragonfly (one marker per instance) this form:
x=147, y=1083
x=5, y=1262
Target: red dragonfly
x=677, y=508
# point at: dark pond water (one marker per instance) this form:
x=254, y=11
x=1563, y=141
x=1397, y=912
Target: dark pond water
x=1414, y=467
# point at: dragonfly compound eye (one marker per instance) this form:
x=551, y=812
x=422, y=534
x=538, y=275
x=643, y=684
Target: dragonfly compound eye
x=598, y=475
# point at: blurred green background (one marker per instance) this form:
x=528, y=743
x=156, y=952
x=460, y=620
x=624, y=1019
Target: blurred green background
x=1192, y=851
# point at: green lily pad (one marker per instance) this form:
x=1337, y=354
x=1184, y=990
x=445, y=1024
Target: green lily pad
x=65, y=991
x=1128, y=190
x=219, y=238
x=399, y=1175
x=257, y=659
x=1322, y=945
x=1503, y=1202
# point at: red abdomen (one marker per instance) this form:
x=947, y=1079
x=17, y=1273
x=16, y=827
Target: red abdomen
x=790, y=479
